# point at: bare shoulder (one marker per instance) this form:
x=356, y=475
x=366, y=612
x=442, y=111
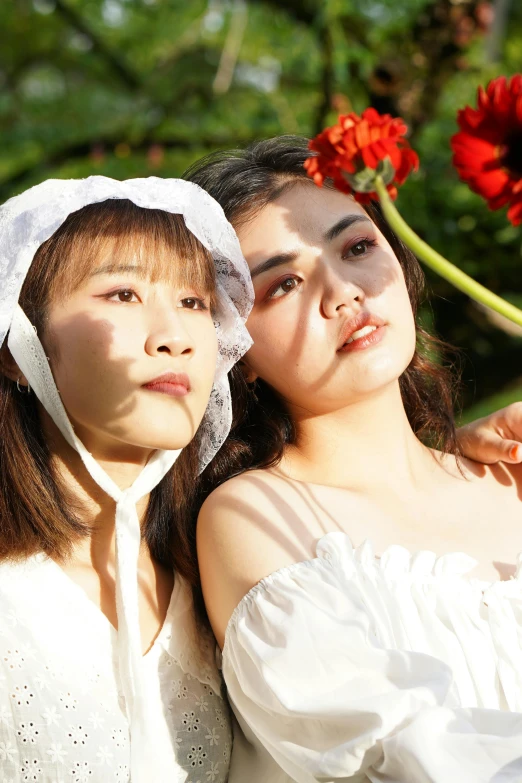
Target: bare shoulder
x=506, y=476
x=251, y=508
x=509, y=476
x=244, y=533
x=240, y=490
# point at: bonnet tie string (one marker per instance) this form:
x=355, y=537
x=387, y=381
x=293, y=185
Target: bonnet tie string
x=153, y=758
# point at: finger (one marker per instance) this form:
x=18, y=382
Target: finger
x=513, y=421
x=490, y=448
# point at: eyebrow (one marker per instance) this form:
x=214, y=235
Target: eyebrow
x=273, y=261
x=342, y=225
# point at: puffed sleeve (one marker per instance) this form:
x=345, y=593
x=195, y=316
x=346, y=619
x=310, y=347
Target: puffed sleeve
x=307, y=675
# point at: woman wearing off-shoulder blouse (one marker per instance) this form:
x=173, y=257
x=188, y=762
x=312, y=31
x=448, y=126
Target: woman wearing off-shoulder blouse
x=361, y=577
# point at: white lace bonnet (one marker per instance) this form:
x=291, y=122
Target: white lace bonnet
x=28, y=220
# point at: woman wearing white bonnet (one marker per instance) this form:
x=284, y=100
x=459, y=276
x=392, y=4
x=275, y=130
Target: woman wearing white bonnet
x=123, y=304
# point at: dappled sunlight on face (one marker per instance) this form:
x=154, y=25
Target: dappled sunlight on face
x=117, y=332
x=318, y=262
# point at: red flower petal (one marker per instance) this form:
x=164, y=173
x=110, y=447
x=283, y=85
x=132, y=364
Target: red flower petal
x=518, y=109
x=365, y=198
x=373, y=116
x=341, y=184
x=362, y=134
x=492, y=185
x=515, y=213
x=466, y=144
x=410, y=162
x=369, y=157
x=395, y=155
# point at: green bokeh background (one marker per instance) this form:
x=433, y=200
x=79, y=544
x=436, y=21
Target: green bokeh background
x=137, y=87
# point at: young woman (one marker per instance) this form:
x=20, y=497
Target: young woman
x=359, y=641
x=124, y=304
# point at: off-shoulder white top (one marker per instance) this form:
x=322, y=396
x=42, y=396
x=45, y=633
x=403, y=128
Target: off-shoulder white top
x=62, y=710
x=396, y=669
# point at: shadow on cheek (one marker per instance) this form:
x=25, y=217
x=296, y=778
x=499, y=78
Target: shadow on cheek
x=385, y=273
x=95, y=338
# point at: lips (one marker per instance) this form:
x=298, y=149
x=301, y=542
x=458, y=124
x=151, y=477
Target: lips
x=170, y=383
x=360, y=328
x=361, y=333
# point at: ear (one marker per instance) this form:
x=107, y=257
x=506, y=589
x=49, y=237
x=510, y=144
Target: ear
x=249, y=375
x=9, y=367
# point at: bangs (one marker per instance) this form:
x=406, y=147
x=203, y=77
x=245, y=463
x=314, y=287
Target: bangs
x=115, y=233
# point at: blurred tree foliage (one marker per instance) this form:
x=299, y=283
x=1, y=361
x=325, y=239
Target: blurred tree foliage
x=137, y=87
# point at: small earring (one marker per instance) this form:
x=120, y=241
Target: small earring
x=23, y=389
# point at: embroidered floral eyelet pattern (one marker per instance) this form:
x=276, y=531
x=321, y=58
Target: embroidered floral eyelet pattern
x=62, y=719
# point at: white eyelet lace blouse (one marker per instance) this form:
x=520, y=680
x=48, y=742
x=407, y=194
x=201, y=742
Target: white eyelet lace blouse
x=62, y=716
x=397, y=670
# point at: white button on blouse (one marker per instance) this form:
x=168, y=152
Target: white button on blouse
x=62, y=713
x=398, y=670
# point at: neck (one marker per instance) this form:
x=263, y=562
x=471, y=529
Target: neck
x=363, y=446
x=94, y=506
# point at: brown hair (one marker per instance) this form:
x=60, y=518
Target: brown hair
x=36, y=515
x=243, y=182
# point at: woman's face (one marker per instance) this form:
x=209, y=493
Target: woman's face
x=332, y=321
x=133, y=359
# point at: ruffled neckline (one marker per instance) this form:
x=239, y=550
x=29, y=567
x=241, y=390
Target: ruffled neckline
x=396, y=562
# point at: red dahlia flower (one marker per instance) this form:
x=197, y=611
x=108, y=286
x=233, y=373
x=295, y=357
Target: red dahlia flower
x=353, y=151
x=488, y=148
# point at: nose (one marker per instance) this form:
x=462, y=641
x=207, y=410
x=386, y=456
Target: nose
x=168, y=334
x=341, y=294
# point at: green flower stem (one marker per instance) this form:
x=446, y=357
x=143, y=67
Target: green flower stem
x=439, y=264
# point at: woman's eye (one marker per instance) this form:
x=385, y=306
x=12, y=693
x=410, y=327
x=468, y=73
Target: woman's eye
x=125, y=295
x=192, y=303
x=359, y=248
x=284, y=287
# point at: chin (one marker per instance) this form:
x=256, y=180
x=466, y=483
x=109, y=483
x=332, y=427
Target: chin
x=169, y=436
x=382, y=368
x=164, y=442
x=365, y=384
